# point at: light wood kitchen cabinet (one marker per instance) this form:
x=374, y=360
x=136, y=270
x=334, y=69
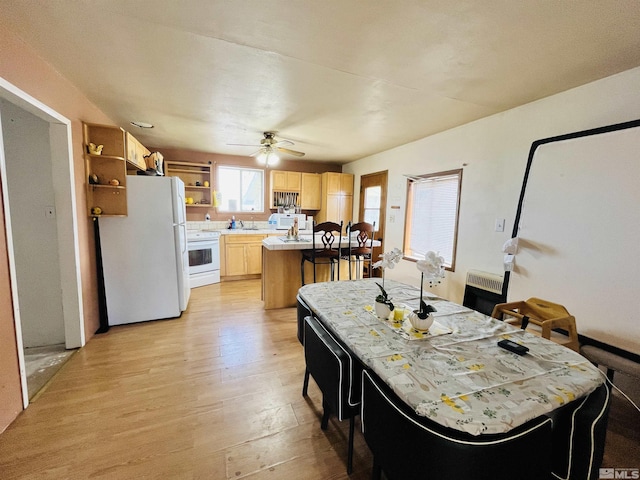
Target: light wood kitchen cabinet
x=242, y=255
x=284, y=181
x=254, y=258
x=136, y=153
x=311, y=191
x=346, y=183
x=336, y=183
x=285, y=188
x=337, y=198
x=198, y=181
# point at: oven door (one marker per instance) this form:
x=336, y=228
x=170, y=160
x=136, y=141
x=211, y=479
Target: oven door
x=204, y=256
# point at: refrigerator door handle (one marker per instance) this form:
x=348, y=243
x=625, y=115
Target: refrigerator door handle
x=184, y=227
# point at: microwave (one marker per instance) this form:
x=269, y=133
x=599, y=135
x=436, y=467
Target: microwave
x=284, y=221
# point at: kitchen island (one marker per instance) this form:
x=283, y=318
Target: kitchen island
x=281, y=269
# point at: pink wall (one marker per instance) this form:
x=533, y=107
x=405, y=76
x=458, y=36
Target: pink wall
x=22, y=67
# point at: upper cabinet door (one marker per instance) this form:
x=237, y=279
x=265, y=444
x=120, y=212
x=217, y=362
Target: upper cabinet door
x=311, y=191
x=346, y=183
x=279, y=180
x=136, y=152
x=332, y=181
x=293, y=181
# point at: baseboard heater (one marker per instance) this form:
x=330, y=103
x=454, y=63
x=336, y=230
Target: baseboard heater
x=483, y=291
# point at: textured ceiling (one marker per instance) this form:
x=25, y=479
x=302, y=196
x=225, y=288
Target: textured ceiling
x=342, y=79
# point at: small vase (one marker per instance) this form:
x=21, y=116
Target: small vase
x=420, y=324
x=382, y=310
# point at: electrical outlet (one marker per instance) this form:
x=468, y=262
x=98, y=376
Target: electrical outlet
x=499, y=224
x=50, y=212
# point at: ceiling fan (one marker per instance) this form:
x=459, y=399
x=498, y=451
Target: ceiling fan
x=269, y=147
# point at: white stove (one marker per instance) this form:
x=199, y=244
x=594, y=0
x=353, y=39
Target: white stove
x=204, y=257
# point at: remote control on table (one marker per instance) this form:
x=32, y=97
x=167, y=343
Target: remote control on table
x=513, y=347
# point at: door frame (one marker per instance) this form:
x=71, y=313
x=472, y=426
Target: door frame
x=66, y=223
x=383, y=212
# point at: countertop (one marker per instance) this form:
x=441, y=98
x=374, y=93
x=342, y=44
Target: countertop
x=261, y=228
x=280, y=242
x=248, y=231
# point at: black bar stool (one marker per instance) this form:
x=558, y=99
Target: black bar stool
x=363, y=251
x=326, y=253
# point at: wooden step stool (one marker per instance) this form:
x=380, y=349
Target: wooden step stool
x=545, y=314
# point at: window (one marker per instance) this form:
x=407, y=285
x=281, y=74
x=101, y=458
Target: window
x=432, y=216
x=241, y=189
x=372, y=202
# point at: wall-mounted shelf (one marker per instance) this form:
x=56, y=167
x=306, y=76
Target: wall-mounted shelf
x=194, y=176
x=121, y=154
x=109, y=165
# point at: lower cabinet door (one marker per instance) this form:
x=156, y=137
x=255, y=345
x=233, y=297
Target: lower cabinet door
x=235, y=259
x=254, y=258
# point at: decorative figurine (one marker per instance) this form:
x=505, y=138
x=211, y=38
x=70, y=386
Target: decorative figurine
x=95, y=149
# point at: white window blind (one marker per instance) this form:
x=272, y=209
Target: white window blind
x=433, y=216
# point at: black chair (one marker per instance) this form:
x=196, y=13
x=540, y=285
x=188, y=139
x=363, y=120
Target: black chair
x=363, y=251
x=303, y=311
x=336, y=374
x=406, y=446
x=327, y=253
x=578, y=438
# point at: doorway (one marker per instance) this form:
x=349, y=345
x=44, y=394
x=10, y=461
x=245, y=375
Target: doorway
x=38, y=196
x=373, y=207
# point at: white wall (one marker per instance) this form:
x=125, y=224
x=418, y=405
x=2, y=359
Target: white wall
x=29, y=175
x=494, y=153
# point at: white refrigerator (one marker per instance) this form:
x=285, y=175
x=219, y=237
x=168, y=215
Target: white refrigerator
x=144, y=255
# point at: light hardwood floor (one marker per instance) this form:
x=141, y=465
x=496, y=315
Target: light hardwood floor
x=215, y=394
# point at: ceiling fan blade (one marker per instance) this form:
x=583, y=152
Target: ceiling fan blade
x=295, y=153
x=243, y=145
x=255, y=153
x=283, y=142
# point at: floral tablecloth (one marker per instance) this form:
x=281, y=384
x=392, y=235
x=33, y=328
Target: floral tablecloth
x=462, y=379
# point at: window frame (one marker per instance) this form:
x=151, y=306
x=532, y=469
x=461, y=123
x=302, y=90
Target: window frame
x=241, y=168
x=408, y=214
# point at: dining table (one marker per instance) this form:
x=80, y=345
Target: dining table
x=454, y=374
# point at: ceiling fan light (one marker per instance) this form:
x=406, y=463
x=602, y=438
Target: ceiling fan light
x=272, y=159
x=262, y=158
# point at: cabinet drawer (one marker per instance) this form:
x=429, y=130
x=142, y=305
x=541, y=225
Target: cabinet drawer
x=244, y=238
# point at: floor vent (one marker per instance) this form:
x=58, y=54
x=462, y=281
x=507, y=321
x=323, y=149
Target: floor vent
x=490, y=282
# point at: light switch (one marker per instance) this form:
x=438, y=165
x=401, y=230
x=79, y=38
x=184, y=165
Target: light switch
x=499, y=224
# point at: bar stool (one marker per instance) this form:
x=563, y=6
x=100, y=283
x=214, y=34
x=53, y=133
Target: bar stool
x=363, y=251
x=326, y=253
